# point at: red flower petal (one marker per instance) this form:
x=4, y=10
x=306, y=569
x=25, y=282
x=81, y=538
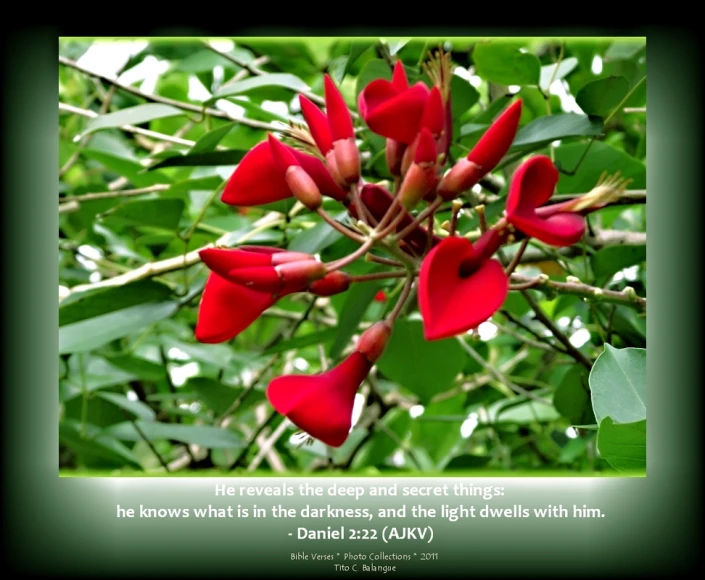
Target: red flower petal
x=321, y=405
x=282, y=154
x=339, y=119
x=451, y=304
x=532, y=185
x=222, y=261
x=433, y=117
x=495, y=143
x=320, y=175
x=559, y=230
x=227, y=309
x=256, y=180
x=392, y=114
x=399, y=80
x=318, y=124
x=425, y=147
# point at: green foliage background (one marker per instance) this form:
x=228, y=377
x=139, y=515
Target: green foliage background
x=121, y=347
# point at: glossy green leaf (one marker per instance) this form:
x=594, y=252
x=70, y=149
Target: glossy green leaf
x=210, y=140
x=203, y=435
x=96, y=443
x=94, y=332
x=211, y=158
x=505, y=64
x=423, y=367
x=600, y=97
x=132, y=116
x=571, y=397
x=552, y=72
x=545, y=130
x=374, y=69
x=137, y=408
x=618, y=384
x=608, y=261
x=623, y=445
x=160, y=213
x=283, y=80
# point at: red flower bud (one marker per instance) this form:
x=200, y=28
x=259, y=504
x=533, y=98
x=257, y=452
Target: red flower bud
x=374, y=340
x=318, y=125
x=495, y=143
x=461, y=177
x=347, y=160
x=393, y=154
x=321, y=405
x=339, y=119
x=332, y=283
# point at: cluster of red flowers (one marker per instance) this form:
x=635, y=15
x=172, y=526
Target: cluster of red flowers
x=459, y=284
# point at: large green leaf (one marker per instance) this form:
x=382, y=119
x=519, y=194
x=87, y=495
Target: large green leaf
x=600, y=97
x=283, y=80
x=393, y=428
x=544, y=130
x=210, y=140
x=464, y=96
x=423, y=367
x=437, y=431
x=137, y=408
x=623, y=445
x=317, y=238
x=94, y=303
x=127, y=168
x=213, y=393
x=599, y=158
x=211, y=158
x=553, y=72
x=374, y=69
x=95, y=443
x=159, y=213
x=132, y=116
x=505, y=64
x=571, y=398
x=203, y=435
x=608, y=261
x=618, y=384
x=94, y=332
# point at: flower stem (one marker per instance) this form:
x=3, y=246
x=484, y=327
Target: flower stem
x=420, y=218
x=517, y=257
x=402, y=299
x=379, y=276
x=385, y=261
x=337, y=264
x=347, y=232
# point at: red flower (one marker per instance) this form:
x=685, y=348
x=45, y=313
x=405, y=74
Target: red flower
x=245, y=282
x=322, y=405
x=485, y=156
x=532, y=186
x=258, y=179
x=393, y=109
x=460, y=286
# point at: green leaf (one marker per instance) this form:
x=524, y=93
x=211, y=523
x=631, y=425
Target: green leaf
x=132, y=116
x=505, y=64
x=600, y=97
x=375, y=68
x=464, y=96
x=140, y=367
x=571, y=398
x=383, y=444
x=468, y=461
x=137, y=408
x=159, y=213
x=131, y=170
x=91, y=373
x=544, y=130
x=94, y=332
x=213, y=393
x=95, y=443
x=522, y=412
x=600, y=157
x=210, y=140
x=203, y=435
x=197, y=184
x=608, y=261
x=94, y=303
x=357, y=299
x=439, y=438
x=624, y=49
x=229, y=157
x=283, y=80
x=423, y=367
x=317, y=238
x=623, y=445
x=549, y=72
x=618, y=384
